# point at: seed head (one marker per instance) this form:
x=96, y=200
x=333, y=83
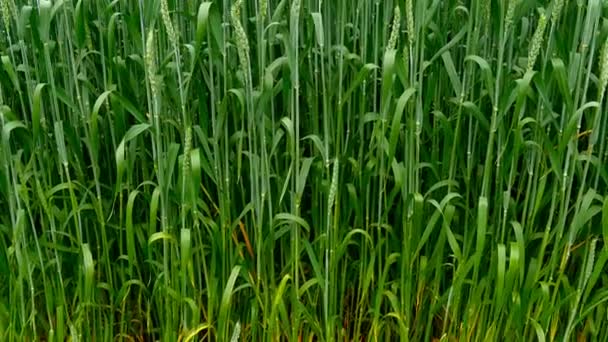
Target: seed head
x=392, y=41
x=510, y=13
x=6, y=9
x=263, y=9
x=89, y=39
x=557, y=10
x=187, y=149
x=164, y=11
x=604, y=68
x=410, y=21
x=590, y=260
x=333, y=189
x=537, y=41
x=242, y=43
x=150, y=61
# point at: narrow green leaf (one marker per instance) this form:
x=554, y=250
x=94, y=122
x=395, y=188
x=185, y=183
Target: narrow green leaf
x=452, y=74
x=131, y=232
x=202, y=21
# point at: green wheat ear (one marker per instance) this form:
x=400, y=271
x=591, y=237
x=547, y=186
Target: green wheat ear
x=5, y=10
x=411, y=34
x=152, y=70
x=510, y=13
x=164, y=11
x=333, y=189
x=150, y=60
x=263, y=10
x=392, y=41
x=603, y=68
x=242, y=43
x=187, y=161
x=537, y=41
x=558, y=5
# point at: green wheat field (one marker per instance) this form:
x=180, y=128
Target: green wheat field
x=303, y=170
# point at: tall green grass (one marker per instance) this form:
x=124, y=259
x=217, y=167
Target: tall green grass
x=303, y=170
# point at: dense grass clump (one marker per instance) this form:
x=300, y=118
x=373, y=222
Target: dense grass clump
x=303, y=170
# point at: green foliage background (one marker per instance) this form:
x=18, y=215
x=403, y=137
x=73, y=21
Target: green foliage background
x=311, y=170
